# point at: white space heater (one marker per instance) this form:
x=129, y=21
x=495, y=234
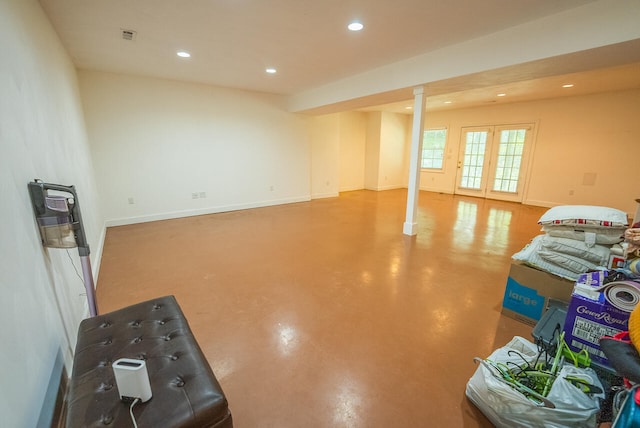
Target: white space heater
x=60, y=223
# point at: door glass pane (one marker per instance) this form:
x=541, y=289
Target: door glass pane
x=473, y=159
x=509, y=160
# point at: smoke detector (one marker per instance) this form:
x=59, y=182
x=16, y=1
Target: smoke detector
x=129, y=35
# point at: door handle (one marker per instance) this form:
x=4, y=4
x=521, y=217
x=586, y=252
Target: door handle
x=459, y=164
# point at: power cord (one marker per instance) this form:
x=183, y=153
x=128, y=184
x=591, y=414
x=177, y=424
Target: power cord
x=133, y=418
x=74, y=266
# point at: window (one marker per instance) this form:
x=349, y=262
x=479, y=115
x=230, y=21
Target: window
x=509, y=160
x=433, y=144
x=473, y=165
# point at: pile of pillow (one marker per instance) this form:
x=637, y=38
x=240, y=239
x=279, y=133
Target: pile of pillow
x=577, y=238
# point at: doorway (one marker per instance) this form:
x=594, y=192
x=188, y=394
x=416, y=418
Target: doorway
x=492, y=161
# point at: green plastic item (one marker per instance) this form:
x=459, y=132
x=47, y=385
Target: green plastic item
x=580, y=359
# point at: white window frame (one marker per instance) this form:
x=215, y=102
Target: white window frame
x=424, y=149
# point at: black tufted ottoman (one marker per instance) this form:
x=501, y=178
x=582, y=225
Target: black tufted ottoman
x=185, y=391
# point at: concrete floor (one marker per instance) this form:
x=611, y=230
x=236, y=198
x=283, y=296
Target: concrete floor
x=323, y=314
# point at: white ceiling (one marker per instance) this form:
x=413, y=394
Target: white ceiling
x=606, y=79
x=233, y=41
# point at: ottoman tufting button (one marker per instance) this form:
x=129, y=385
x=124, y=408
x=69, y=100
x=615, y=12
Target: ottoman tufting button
x=106, y=386
x=137, y=339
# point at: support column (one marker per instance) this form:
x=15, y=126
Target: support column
x=411, y=223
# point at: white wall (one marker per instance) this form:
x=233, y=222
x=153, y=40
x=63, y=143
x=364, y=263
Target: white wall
x=369, y=150
x=325, y=143
x=393, y=143
x=386, y=162
x=42, y=135
x=372, y=151
x=575, y=136
x=159, y=141
x=353, y=135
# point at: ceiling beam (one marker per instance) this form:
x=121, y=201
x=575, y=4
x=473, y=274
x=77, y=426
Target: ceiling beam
x=600, y=34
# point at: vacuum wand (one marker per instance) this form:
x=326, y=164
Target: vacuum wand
x=87, y=275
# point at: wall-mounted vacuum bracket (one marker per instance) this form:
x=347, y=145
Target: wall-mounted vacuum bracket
x=60, y=224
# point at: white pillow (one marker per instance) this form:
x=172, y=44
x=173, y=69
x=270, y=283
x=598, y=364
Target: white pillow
x=574, y=264
x=591, y=236
x=598, y=254
x=529, y=255
x=585, y=215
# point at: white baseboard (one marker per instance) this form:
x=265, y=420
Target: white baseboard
x=436, y=190
x=97, y=254
x=545, y=204
x=391, y=187
x=349, y=189
x=325, y=195
x=202, y=211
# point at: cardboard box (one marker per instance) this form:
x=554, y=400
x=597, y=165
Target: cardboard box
x=530, y=291
x=590, y=316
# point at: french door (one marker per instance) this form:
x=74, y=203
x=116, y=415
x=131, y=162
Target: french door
x=493, y=161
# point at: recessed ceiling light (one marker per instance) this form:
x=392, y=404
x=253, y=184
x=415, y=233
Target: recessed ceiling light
x=502, y=95
x=355, y=26
x=447, y=102
x=183, y=54
x=271, y=70
x=408, y=108
x=568, y=85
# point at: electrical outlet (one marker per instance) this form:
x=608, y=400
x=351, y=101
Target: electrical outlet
x=203, y=194
x=194, y=195
x=271, y=188
x=131, y=201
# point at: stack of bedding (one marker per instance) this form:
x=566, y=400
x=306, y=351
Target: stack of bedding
x=632, y=248
x=577, y=238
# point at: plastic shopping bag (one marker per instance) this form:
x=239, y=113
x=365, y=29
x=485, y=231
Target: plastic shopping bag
x=565, y=404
